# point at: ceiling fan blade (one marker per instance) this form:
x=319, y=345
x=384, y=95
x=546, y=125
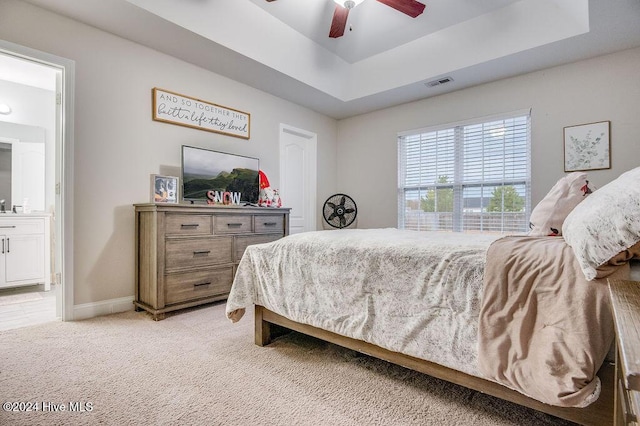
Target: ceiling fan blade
x=271, y=0
x=412, y=8
x=339, y=22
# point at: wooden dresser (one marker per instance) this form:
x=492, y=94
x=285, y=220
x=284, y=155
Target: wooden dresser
x=187, y=255
x=625, y=301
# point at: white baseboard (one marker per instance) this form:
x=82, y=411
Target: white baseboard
x=105, y=307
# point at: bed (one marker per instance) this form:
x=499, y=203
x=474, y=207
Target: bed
x=523, y=318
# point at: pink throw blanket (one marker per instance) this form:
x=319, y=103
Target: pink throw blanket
x=544, y=329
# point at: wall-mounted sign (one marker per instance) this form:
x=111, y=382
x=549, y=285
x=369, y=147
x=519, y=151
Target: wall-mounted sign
x=175, y=108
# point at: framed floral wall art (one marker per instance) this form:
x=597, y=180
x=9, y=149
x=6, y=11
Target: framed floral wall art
x=587, y=147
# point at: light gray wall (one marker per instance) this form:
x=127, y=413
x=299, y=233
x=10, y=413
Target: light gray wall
x=599, y=89
x=118, y=145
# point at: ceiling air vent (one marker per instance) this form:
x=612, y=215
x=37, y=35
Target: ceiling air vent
x=439, y=81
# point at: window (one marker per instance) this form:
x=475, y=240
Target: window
x=472, y=176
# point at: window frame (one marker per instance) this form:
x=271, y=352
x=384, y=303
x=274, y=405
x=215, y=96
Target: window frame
x=459, y=182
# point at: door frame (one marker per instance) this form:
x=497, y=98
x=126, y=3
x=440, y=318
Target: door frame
x=64, y=163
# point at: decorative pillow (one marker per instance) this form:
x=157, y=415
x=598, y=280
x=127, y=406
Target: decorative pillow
x=549, y=215
x=606, y=223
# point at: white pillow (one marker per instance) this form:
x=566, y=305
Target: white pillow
x=548, y=216
x=605, y=223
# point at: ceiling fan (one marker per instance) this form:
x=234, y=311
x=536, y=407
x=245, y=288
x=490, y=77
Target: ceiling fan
x=412, y=8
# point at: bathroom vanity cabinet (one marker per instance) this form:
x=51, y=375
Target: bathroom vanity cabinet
x=25, y=250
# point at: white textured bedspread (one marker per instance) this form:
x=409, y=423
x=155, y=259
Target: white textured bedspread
x=412, y=292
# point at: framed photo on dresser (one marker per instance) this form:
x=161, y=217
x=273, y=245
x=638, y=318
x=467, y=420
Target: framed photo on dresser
x=164, y=189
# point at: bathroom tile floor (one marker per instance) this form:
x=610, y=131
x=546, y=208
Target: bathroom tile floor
x=25, y=306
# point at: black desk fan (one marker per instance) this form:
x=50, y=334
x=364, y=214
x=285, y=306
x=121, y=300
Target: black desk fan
x=339, y=211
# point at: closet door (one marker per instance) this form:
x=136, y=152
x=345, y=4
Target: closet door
x=298, y=177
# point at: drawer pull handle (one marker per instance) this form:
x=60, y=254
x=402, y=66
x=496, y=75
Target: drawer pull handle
x=270, y=223
x=233, y=225
x=189, y=225
x=196, y=253
x=201, y=284
x=7, y=226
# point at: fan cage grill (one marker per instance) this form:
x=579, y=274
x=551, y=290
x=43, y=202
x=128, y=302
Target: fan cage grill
x=339, y=211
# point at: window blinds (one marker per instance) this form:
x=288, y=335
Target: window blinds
x=473, y=176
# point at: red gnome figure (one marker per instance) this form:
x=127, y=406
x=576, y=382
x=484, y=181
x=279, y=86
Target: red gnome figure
x=266, y=193
x=585, y=189
x=277, y=202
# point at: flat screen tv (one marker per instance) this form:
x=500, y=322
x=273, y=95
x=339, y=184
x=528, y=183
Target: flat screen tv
x=215, y=177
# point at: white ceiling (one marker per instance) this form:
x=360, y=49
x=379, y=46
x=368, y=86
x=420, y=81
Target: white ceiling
x=282, y=47
x=373, y=27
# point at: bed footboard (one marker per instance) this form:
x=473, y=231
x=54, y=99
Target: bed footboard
x=599, y=413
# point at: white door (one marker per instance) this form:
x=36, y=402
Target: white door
x=24, y=258
x=3, y=260
x=27, y=174
x=298, y=177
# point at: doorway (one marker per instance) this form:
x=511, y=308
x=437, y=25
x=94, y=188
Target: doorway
x=298, y=177
x=39, y=86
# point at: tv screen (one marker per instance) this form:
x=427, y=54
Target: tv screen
x=217, y=177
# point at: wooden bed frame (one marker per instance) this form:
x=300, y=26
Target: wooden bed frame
x=599, y=413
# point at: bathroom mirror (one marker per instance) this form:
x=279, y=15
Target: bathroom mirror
x=22, y=165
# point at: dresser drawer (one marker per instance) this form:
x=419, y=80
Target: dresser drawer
x=195, y=285
x=243, y=241
x=238, y=224
x=188, y=253
x=268, y=224
x=188, y=224
x=21, y=226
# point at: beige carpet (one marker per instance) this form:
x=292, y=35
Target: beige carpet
x=196, y=368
